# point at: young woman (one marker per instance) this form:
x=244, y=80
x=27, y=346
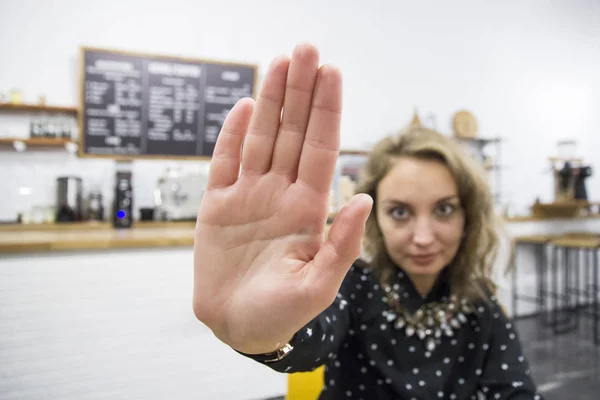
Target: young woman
x=414, y=315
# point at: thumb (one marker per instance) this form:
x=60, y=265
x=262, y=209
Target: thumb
x=342, y=247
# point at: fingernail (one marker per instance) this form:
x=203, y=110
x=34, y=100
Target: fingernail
x=357, y=197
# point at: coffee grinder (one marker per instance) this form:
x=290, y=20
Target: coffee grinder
x=122, y=215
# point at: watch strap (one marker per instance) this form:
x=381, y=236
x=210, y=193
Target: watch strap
x=274, y=356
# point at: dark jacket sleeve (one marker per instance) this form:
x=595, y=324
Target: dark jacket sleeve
x=506, y=375
x=319, y=340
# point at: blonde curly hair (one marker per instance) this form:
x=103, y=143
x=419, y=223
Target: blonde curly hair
x=474, y=261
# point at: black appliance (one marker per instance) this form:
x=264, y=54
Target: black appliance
x=123, y=205
x=69, y=205
x=574, y=177
x=146, y=214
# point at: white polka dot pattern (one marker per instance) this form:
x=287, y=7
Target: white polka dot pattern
x=367, y=357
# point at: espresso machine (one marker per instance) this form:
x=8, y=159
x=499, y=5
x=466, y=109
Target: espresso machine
x=570, y=182
x=178, y=193
x=570, y=173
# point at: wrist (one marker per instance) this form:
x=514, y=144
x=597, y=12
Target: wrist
x=271, y=356
x=267, y=353
x=260, y=348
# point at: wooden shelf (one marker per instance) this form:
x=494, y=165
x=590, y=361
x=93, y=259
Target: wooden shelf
x=37, y=142
x=38, y=108
x=562, y=159
x=350, y=152
x=478, y=140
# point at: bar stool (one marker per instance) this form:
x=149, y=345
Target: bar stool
x=568, y=249
x=539, y=243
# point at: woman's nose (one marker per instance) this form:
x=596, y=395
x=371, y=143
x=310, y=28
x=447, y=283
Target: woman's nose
x=423, y=233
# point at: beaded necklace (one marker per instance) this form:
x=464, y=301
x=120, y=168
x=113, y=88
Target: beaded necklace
x=431, y=321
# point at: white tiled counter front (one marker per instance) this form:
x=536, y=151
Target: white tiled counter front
x=117, y=323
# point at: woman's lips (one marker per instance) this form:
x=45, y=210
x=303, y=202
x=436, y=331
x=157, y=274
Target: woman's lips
x=424, y=259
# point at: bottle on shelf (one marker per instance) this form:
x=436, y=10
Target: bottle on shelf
x=50, y=128
x=35, y=128
x=66, y=129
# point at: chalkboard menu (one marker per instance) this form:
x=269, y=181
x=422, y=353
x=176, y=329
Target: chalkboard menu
x=152, y=106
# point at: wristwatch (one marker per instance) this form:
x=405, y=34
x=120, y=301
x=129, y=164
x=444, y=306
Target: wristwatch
x=274, y=356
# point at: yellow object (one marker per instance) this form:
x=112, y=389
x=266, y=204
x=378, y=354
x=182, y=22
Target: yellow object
x=416, y=121
x=305, y=385
x=15, y=96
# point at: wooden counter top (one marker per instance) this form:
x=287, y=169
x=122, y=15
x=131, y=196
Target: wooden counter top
x=91, y=225
x=90, y=236
x=533, y=239
x=578, y=242
x=585, y=239
x=19, y=238
x=530, y=218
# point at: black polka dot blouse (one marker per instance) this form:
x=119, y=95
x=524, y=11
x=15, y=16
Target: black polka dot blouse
x=367, y=357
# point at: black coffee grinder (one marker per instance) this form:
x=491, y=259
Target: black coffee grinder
x=122, y=215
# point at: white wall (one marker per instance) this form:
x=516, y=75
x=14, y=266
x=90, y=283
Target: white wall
x=528, y=69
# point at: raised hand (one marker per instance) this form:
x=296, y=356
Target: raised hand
x=263, y=266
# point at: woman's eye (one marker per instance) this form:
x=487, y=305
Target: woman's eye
x=445, y=210
x=399, y=213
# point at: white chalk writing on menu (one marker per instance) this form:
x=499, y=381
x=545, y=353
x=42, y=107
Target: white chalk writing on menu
x=157, y=106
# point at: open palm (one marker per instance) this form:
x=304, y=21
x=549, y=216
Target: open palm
x=262, y=265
